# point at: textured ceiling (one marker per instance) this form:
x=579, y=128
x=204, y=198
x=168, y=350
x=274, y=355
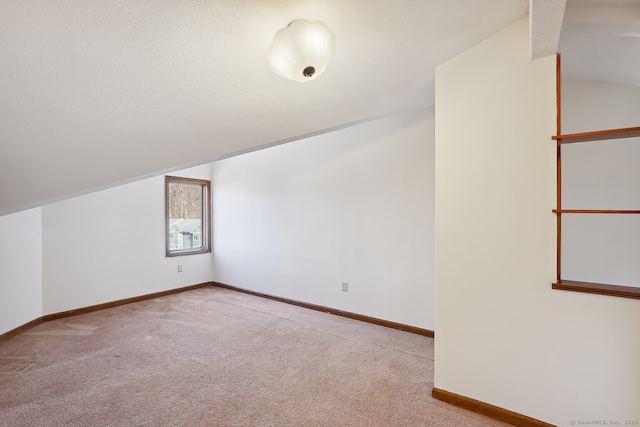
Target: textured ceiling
x=96, y=93
x=546, y=18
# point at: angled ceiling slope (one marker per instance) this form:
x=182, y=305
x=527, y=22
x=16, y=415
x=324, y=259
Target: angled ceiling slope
x=99, y=93
x=601, y=41
x=545, y=19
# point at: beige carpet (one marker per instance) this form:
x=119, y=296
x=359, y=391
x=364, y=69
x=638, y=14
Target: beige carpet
x=216, y=357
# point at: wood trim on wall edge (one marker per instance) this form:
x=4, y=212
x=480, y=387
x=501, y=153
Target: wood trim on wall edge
x=89, y=309
x=360, y=317
x=20, y=329
x=46, y=318
x=116, y=303
x=488, y=410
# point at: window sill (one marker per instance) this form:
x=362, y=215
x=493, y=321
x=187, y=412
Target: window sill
x=182, y=253
x=598, y=288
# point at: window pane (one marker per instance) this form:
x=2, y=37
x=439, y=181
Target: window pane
x=187, y=215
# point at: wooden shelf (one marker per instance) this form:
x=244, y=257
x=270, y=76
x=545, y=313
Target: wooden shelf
x=599, y=135
x=596, y=211
x=598, y=288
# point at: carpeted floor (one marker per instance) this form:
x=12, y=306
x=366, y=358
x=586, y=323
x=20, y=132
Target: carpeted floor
x=216, y=357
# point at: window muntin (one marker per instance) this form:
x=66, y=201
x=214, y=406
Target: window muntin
x=188, y=205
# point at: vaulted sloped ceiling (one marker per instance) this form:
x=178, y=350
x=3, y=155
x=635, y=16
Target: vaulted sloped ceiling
x=96, y=93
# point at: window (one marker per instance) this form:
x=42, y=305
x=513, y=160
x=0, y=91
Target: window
x=188, y=219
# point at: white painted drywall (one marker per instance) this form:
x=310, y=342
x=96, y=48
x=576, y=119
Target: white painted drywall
x=601, y=175
x=20, y=268
x=354, y=205
x=110, y=245
x=503, y=336
x=589, y=106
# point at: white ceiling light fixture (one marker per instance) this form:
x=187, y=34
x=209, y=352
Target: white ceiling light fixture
x=302, y=50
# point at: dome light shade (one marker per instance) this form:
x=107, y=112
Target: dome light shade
x=302, y=50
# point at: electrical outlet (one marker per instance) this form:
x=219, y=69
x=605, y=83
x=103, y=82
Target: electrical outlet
x=345, y=285
x=179, y=269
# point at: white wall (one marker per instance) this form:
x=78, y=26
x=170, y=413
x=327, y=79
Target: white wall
x=589, y=106
x=601, y=175
x=20, y=268
x=503, y=335
x=354, y=205
x=110, y=245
